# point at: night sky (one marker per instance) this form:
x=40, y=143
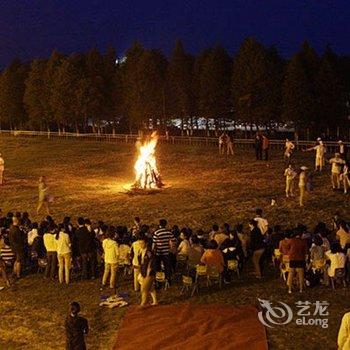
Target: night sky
x=33, y=28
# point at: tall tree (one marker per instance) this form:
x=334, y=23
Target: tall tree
x=12, y=112
x=297, y=95
x=251, y=83
x=214, y=95
x=34, y=95
x=180, y=84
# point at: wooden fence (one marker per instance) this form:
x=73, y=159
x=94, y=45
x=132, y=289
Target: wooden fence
x=179, y=140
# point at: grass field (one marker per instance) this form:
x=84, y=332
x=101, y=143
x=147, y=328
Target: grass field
x=87, y=179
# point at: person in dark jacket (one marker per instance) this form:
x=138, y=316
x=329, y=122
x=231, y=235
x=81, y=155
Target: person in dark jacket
x=85, y=243
x=17, y=242
x=257, y=247
x=76, y=328
x=258, y=145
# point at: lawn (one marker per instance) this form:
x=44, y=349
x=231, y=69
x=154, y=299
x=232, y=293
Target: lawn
x=88, y=178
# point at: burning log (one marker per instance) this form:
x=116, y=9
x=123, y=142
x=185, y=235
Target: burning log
x=147, y=174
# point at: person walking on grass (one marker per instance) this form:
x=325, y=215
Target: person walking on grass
x=44, y=197
x=146, y=276
x=76, y=327
x=111, y=256
x=345, y=177
x=265, y=146
x=337, y=164
x=2, y=169
x=289, y=147
x=290, y=175
x=230, y=145
x=297, y=251
x=302, y=185
x=222, y=143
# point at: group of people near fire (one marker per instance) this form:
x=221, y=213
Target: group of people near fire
x=82, y=248
x=303, y=176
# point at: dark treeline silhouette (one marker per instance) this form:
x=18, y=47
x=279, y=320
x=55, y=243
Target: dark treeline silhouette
x=92, y=92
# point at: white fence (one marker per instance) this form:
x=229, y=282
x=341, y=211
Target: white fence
x=131, y=138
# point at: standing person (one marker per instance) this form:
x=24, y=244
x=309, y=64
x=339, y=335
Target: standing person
x=222, y=139
x=111, y=256
x=258, y=146
x=230, y=145
x=290, y=175
x=263, y=224
x=320, y=153
x=302, y=185
x=337, y=163
x=289, y=147
x=265, y=146
x=344, y=333
x=345, y=178
x=86, y=247
x=342, y=150
x=76, y=328
x=146, y=277
x=163, y=242
x=64, y=254
x=2, y=169
x=44, y=197
x=296, y=250
x=17, y=240
x=134, y=253
x=50, y=244
x=257, y=247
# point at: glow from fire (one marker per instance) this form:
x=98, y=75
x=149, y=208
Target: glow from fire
x=147, y=175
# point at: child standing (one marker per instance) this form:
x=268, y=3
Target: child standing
x=290, y=175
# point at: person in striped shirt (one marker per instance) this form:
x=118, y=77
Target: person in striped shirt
x=163, y=242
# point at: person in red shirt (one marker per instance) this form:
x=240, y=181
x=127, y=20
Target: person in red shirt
x=297, y=250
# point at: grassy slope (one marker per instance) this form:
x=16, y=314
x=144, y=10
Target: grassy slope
x=87, y=179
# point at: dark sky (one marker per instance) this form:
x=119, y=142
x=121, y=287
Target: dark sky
x=33, y=28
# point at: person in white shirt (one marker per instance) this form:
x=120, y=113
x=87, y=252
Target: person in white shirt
x=63, y=254
x=290, y=175
x=337, y=163
x=320, y=153
x=134, y=253
x=336, y=258
x=344, y=333
x=302, y=185
x=345, y=178
x=32, y=234
x=263, y=224
x=289, y=147
x=2, y=168
x=184, y=246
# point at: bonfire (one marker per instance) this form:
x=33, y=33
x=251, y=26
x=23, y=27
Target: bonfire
x=147, y=174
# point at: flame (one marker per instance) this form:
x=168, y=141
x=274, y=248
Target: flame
x=147, y=175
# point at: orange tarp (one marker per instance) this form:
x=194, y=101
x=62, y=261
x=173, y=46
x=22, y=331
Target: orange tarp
x=193, y=327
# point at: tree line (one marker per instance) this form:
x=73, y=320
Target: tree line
x=255, y=86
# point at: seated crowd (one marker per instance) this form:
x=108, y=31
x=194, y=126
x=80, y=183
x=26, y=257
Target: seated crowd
x=86, y=250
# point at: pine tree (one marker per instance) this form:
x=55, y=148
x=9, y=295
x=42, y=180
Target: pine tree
x=297, y=95
x=34, y=95
x=12, y=112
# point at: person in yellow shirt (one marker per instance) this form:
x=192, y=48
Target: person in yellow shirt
x=50, y=244
x=337, y=163
x=320, y=153
x=343, y=234
x=302, y=185
x=111, y=256
x=344, y=333
x=290, y=175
